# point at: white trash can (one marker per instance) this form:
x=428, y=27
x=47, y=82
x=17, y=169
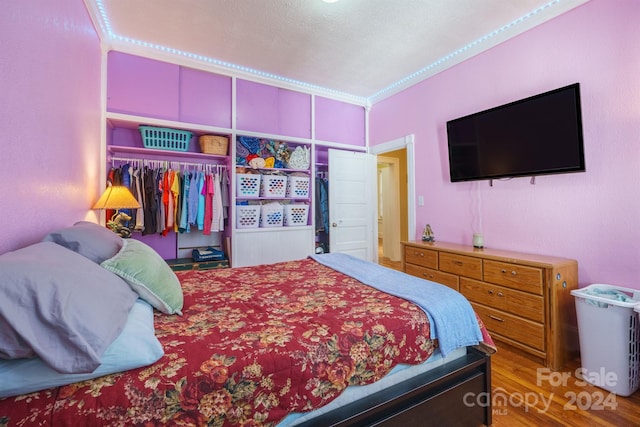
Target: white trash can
x=609, y=331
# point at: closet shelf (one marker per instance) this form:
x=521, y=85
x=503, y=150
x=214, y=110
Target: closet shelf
x=284, y=170
x=275, y=199
x=132, y=122
x=146, y=152
x=272, y=229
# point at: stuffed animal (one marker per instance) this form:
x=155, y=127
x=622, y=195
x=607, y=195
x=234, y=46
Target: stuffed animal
x=118, y=222
x=282, y=153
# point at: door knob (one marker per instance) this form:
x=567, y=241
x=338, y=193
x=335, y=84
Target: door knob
x=333, y=224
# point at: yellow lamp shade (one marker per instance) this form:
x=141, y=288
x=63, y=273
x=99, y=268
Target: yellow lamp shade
x=116, y=197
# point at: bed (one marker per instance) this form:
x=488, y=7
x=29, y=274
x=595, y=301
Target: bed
x=304, y=342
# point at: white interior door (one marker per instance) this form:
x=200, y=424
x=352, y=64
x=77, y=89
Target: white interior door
x=352, y=204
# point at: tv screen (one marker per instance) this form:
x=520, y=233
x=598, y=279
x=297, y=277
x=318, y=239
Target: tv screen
x=538, y=135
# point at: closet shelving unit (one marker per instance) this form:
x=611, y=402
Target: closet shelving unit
x=149, y=91
x=279, y=243
x=123, y=121
x=124, y=141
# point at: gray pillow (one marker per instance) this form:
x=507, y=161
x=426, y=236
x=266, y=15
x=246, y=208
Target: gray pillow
x=149, y=275
x=60, y=306
x=88, y=239
x=136, y=346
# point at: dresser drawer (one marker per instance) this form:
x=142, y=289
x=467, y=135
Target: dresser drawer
x=515, y=302
x=461, y=265
x=433, y=275
x=523, y=278
x=420, y=256
x=509, y=326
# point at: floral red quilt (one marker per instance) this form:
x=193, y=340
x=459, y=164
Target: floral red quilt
x=253, y=344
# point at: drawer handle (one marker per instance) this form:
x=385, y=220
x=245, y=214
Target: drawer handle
x=496, y=318
x=460, y=263
x=490, y=292
x=418, y=253
x=513, y=272
x=430, y=276
x=500, y=294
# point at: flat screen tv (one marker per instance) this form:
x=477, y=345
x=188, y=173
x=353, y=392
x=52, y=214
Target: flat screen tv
x=538, y=135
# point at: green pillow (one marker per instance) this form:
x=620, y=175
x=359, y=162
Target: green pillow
x=148, y=275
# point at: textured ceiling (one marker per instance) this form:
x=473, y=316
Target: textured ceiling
x=362, y=49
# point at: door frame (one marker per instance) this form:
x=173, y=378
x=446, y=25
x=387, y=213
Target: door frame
x=407, y=142
x=391, y=209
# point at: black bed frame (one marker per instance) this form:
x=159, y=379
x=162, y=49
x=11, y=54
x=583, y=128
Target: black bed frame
x=457, y=393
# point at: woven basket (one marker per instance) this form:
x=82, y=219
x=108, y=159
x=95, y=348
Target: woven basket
x=213, y=144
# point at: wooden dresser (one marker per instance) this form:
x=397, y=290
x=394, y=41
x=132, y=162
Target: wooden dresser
x=524, y=299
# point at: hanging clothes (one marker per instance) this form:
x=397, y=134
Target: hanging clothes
x=192, y=205
x=208, y=205
x=175, y=194
x=184, y=205
x=173, y=199
x=201, y=194
x=161, y=221
x=225, y=194
x=217, y=216
x=322, y=205
x=137, y=193
x=167, y=202
x=150, y=203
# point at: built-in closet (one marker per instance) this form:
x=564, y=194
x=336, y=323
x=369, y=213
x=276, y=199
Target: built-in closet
x=177, y=94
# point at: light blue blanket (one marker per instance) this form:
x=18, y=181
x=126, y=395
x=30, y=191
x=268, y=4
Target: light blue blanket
x=452, y=318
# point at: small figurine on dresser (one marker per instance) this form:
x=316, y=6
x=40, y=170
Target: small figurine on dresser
x=427, y=234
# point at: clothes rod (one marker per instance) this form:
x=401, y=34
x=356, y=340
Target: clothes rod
x=166, y=162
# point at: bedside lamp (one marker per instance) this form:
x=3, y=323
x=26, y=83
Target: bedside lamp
x=117, y=197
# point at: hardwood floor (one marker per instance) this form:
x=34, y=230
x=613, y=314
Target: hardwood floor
x=525, y=393
x=386, y=262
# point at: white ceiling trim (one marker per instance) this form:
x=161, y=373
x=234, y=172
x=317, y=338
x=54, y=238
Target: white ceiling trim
x=112, y=41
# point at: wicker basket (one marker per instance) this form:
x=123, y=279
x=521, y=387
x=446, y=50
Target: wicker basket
x=213, y=144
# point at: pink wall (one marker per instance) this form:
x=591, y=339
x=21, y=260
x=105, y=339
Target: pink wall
x=593, y=217
x=49, y=116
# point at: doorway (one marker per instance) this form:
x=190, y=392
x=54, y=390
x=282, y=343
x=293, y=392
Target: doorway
x=389, y=220
x=396, y=190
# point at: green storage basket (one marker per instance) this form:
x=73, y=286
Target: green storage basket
x=165, y=138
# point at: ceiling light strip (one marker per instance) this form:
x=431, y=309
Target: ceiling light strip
x=229, y=65
x=354, y=98
x=106, y=23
